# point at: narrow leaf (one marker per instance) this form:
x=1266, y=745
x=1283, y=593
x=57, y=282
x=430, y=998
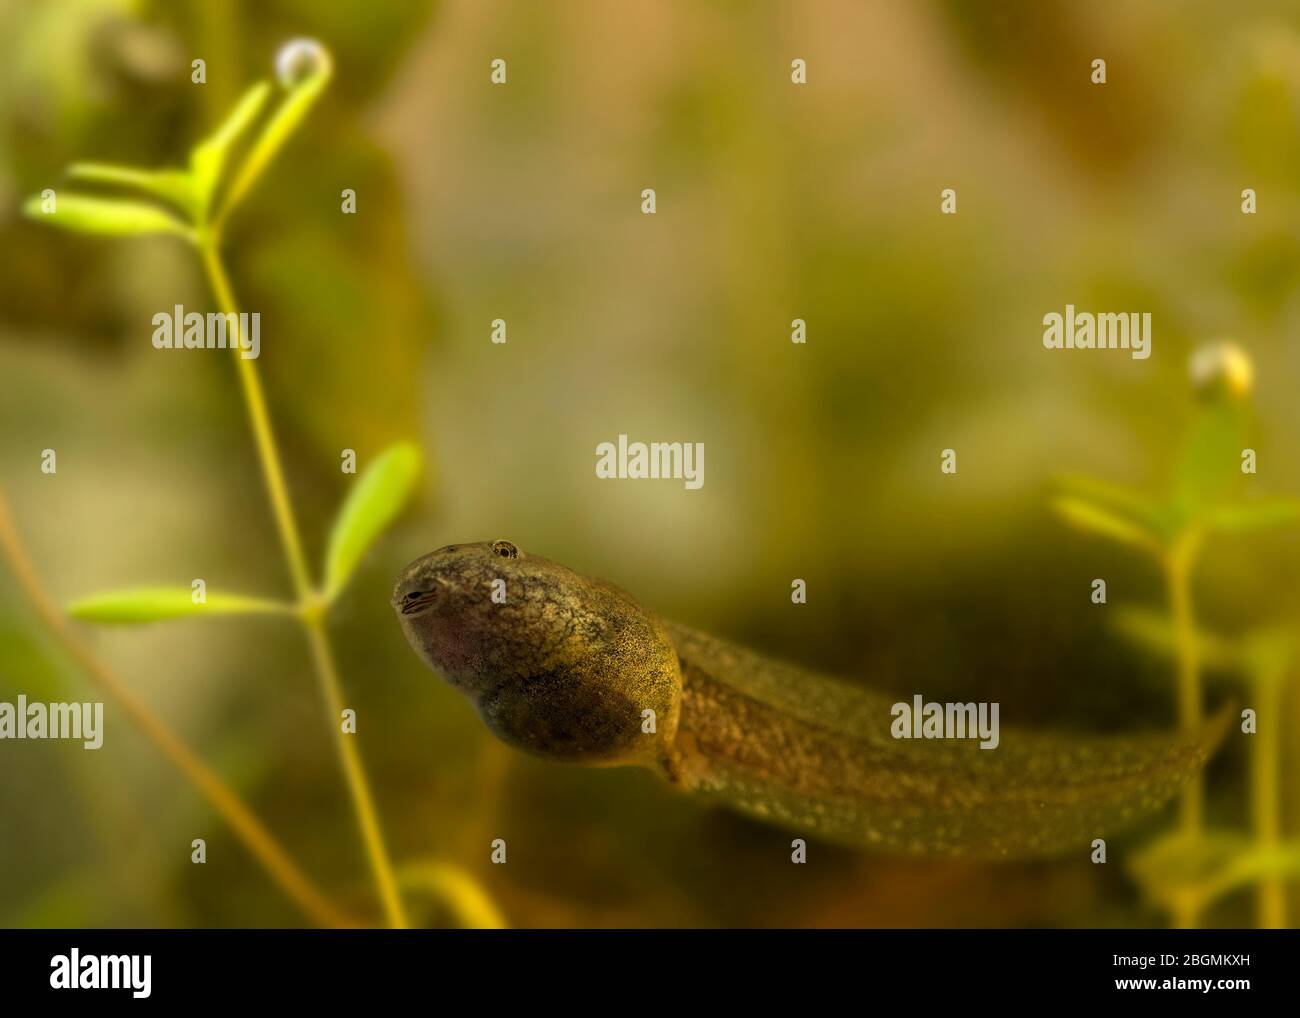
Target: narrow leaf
x=1094, y=519
x=1156, y=632
x=1260, y=861
x=154, y=604
x=1247, y=517
x=209, y=156
x=106, y=215
x=1118, y=499
x=276, y=132
x=1207, y=867
x=173, y=186
x=371, y=505
x=1175, y=864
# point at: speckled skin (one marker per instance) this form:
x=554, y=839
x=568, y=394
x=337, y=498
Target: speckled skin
x=567, y=667
x=564, y=668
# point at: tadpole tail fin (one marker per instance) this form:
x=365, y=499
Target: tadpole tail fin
x=817, y=756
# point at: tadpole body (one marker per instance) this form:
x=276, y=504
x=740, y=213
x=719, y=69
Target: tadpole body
x=575, y=669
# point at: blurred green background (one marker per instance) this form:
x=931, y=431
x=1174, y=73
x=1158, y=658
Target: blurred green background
x=477, y=202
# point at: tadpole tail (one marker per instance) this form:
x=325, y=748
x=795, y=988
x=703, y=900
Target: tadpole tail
x=816, y=756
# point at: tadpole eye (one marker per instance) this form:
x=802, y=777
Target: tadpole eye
x=505, y=549
x=416, y=601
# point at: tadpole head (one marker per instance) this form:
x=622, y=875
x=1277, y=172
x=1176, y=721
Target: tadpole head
x=457, y=568
x=464, y=609
x=555, y=662
x=444, y=602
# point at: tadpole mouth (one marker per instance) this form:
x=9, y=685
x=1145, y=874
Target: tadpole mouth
x=416, y=601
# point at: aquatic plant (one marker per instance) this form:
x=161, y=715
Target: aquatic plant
x=194, y=204
x=1189, y=868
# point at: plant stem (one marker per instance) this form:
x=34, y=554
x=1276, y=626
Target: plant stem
x=260, y=420
x=1178, y=567
x=367, y=819
x=1265, y=792
x=260, y=842
x=312, y=612
x=457, y=891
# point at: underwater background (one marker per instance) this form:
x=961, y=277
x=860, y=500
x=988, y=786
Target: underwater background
x=521, y=202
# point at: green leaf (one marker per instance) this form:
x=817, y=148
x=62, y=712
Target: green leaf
x=1205, y=867
x=106, y=215
x=1092, y=518
x=209, y=156
x=371, y=505
x=1116, y=496
x=276, y=132
x=175, y=186
x=153, y=604
x=1156, y=632
x=1262, y=861
x=1270, y=653
x=1248, y=517
x=1118, y=499
x=1178, y=866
